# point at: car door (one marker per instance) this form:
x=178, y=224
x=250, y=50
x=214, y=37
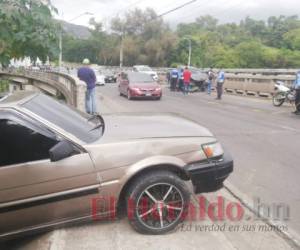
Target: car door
x=34, y=191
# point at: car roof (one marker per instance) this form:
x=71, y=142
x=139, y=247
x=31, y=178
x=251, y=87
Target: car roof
x=16, y=98
x=139, y=66
x=135, y=73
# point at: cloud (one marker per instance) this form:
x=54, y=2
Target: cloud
x=224, y=10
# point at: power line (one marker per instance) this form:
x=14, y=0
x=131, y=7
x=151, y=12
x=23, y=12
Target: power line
x=195, y=13
x=128, y=6
x=177, y=8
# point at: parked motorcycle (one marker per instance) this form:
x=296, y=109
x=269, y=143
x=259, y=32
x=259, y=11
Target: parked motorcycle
x=283, y=94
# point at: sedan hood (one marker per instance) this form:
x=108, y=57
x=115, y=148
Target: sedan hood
x=144, y=85
x=140, y=126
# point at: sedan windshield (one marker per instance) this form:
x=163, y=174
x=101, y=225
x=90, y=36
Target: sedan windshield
x=144, y=68
x=65, y=117
x=140, y=78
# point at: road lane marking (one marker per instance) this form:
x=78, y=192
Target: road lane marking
x=289, y=128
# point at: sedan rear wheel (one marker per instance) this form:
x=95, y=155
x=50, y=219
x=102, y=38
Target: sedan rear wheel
x=158, y=202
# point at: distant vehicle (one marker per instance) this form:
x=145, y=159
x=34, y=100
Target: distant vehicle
x=139, y=85
x=146, y=69
x=283, y=94
x=198, y=79
x=109, y=75
x=100, y=79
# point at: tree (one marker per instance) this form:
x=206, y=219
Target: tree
x=292, y=39
x=250, y=54
x=27, y=28
x=146, y=38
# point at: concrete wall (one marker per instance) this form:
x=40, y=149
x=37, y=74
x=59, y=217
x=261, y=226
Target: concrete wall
x=255, y=85
x=52, y=82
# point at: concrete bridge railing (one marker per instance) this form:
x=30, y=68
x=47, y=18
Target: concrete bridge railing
x=71, y=88
x=255, y=85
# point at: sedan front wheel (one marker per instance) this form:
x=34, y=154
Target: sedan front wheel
x=157, y=202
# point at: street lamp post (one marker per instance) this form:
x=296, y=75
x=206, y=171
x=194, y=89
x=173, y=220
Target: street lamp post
x=190, y=50
x=60, y=38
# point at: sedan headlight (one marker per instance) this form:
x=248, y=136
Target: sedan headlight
x=213, y=150
x=158, y=89
x=135, y=89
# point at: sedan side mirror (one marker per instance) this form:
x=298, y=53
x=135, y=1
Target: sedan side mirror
x=62, y=150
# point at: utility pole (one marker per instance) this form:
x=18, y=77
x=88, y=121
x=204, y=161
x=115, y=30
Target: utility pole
x=121, y=50
x=60, y=49
x=190, y=52
x=122, y=45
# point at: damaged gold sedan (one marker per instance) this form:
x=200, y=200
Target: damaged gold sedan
x=61, y=166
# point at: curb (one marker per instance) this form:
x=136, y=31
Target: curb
x=291, y=237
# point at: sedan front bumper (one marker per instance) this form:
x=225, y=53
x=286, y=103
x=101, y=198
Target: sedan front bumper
x=209, y=176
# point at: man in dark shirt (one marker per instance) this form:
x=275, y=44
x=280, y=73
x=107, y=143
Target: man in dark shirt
x=87, y=75
x=174, y=79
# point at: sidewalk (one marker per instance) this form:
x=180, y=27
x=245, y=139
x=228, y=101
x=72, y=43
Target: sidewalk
x=246, y=234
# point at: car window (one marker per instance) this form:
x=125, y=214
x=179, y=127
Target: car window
x=144, y=68
x=20, y=144
x=69, y=119
x=140, y=78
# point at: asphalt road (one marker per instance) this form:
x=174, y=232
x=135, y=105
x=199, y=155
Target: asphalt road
x=264, y=141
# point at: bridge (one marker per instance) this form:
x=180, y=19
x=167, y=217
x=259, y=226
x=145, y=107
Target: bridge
x=54, y=83
x=244, y=82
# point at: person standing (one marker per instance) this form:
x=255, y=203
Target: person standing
x=210, y=75
x=180, y=83
x=297, y=89
x=220, y=83
x=174, y=79
x=86, y=74
x=186, y=80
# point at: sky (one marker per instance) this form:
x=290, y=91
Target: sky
x=224, y=10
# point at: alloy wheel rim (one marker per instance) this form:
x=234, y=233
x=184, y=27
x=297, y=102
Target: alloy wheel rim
x=160, y=206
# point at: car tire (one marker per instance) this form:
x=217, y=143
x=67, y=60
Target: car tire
x=129, y=95
x=165, y=187
x=278, y=99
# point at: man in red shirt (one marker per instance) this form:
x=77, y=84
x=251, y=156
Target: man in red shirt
x=186, y=80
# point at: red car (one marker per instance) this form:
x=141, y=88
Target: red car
x=139, y=85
